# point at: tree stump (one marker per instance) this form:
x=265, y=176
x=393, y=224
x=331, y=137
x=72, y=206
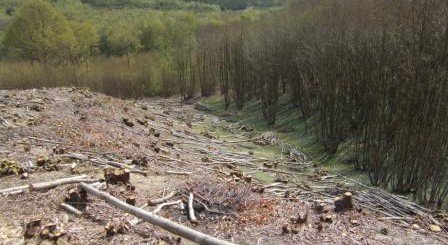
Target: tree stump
x=128, y=122
x=343, y=202
x=77, y=197
x=130, y=200
x=114, y=228
x=117, y=175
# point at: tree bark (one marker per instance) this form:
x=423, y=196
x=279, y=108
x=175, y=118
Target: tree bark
x=191, y=209
x=42, y=185
x=55, y=183
x=166, y=224
x=71, y=209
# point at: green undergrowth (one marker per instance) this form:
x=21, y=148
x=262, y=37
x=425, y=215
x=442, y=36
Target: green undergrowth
x=290, y=127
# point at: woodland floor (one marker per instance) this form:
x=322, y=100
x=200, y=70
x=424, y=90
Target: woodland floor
x=251, y=194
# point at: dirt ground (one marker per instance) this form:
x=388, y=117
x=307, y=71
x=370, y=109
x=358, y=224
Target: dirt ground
x=241, y=194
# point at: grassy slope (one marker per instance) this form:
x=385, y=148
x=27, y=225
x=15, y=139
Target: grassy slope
x=290, y=128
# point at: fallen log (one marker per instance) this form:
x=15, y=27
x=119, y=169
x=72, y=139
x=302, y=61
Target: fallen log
x=71, y=209
x=14, y=190
x=164, y=223
x=55, y=183
x=23, y=188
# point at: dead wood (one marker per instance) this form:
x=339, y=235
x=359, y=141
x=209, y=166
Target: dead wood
x=162, y=200
x=71, y=209
x=116, y=175
x=14, y=190
x=161, y=206
x=343, y=202
x=177, y=172
x=76, y=197
x=191, y=209
x=55, y=183
x=44, y=185
x=32, y=228
x=131, y=200
x=116, y=228
x=166, y=224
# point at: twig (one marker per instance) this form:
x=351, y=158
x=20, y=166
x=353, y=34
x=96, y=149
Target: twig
x=161, y=200
x=161, y=206
x=178, y=173
x=191, y=209
x=45, y=140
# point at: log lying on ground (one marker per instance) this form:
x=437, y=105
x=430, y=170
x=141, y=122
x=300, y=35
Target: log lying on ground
x=55, y=183
x=166, y=224
x=43, y=185
x=71, y=209
x=14, y=190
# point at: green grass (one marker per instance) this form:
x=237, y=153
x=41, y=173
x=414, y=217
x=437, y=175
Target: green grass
x=291, y=128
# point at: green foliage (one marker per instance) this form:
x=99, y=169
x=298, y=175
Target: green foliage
x=73, y=10
x=153, y=4
x=39, y=33
x=151, y=36
x=124, y=40
x=370, y=72
x=240, y=4
x=85, y=44
x=8, y=167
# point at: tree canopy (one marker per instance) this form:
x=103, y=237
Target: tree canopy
x=41, y=33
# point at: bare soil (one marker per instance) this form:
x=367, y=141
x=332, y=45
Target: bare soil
x=166, y=139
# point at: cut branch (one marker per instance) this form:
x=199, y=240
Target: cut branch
x=71, y=209
x=191, y=208
x=163, y=199
x=161, y=206
x=166, y=224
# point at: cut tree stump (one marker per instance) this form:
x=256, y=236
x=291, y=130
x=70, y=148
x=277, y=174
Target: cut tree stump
x=177, y=229
x=117, y=175
x=32, y=228
x=116, y=228
x=343, y=202
x=130, y=200
x=77, y=197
